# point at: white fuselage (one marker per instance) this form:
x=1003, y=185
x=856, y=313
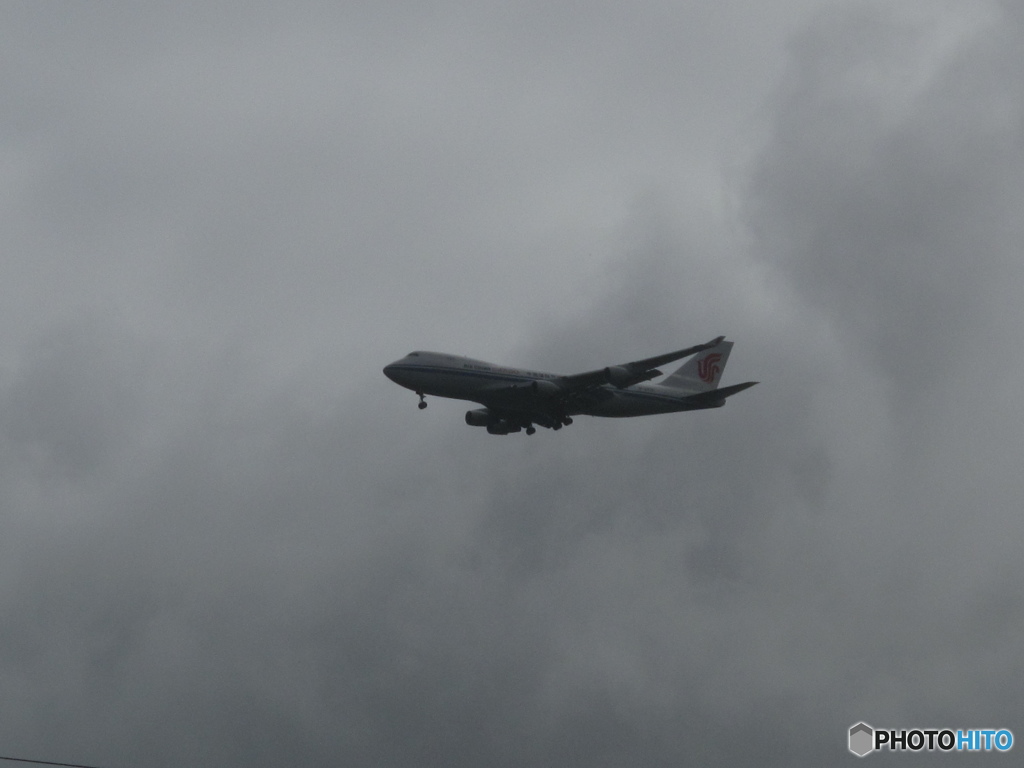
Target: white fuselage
x=463, y=378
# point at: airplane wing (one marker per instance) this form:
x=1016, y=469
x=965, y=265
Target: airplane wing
x=622, y=376
x=561, y=388
x=545, y=400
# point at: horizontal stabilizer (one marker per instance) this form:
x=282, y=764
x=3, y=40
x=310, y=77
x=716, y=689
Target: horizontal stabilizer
x=715, y=397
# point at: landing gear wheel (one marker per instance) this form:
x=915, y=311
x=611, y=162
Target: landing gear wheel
x=423, y=403
x=530, y=430
x=556, y=426
x=567, y=420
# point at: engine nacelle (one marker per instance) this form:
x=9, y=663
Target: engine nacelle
x=479, y=418
x=619, y=377
x=545, y=387
x=482, y=417
x=622, y=377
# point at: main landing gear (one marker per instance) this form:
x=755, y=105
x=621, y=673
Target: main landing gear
x=423, y=403
x=531, y=429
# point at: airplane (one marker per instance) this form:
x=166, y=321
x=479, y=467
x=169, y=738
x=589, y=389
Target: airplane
x=516, y=400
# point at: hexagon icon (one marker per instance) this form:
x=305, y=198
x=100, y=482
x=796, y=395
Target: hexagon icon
x=862, y=738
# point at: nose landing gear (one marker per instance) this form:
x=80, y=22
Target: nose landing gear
x=422, y=403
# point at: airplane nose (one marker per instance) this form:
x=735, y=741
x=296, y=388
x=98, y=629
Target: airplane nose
x=389, y=371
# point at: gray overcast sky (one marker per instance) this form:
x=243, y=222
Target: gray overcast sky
x=227, y=540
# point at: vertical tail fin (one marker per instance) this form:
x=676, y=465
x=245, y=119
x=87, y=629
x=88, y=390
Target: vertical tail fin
x=703, y=371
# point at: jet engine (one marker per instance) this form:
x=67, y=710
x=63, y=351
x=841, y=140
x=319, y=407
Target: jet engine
x=545, y=387
x=479, y=418
x=621, y=377
x=618, y=376
x=482, y=417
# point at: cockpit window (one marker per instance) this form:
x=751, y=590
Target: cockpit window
x=414, y=354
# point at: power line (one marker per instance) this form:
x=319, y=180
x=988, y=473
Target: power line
x=46, y=762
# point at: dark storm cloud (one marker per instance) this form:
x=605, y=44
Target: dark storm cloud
x=228, y=540
x=267, y=584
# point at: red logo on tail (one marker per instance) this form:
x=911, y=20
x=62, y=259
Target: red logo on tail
x=708, y=368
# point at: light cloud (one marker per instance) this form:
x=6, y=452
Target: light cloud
x=229, y=540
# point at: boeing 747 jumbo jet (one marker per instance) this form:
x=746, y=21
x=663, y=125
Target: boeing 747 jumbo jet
x=514, y=399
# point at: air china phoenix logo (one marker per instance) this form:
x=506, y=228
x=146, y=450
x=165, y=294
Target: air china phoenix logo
x=708, y=368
